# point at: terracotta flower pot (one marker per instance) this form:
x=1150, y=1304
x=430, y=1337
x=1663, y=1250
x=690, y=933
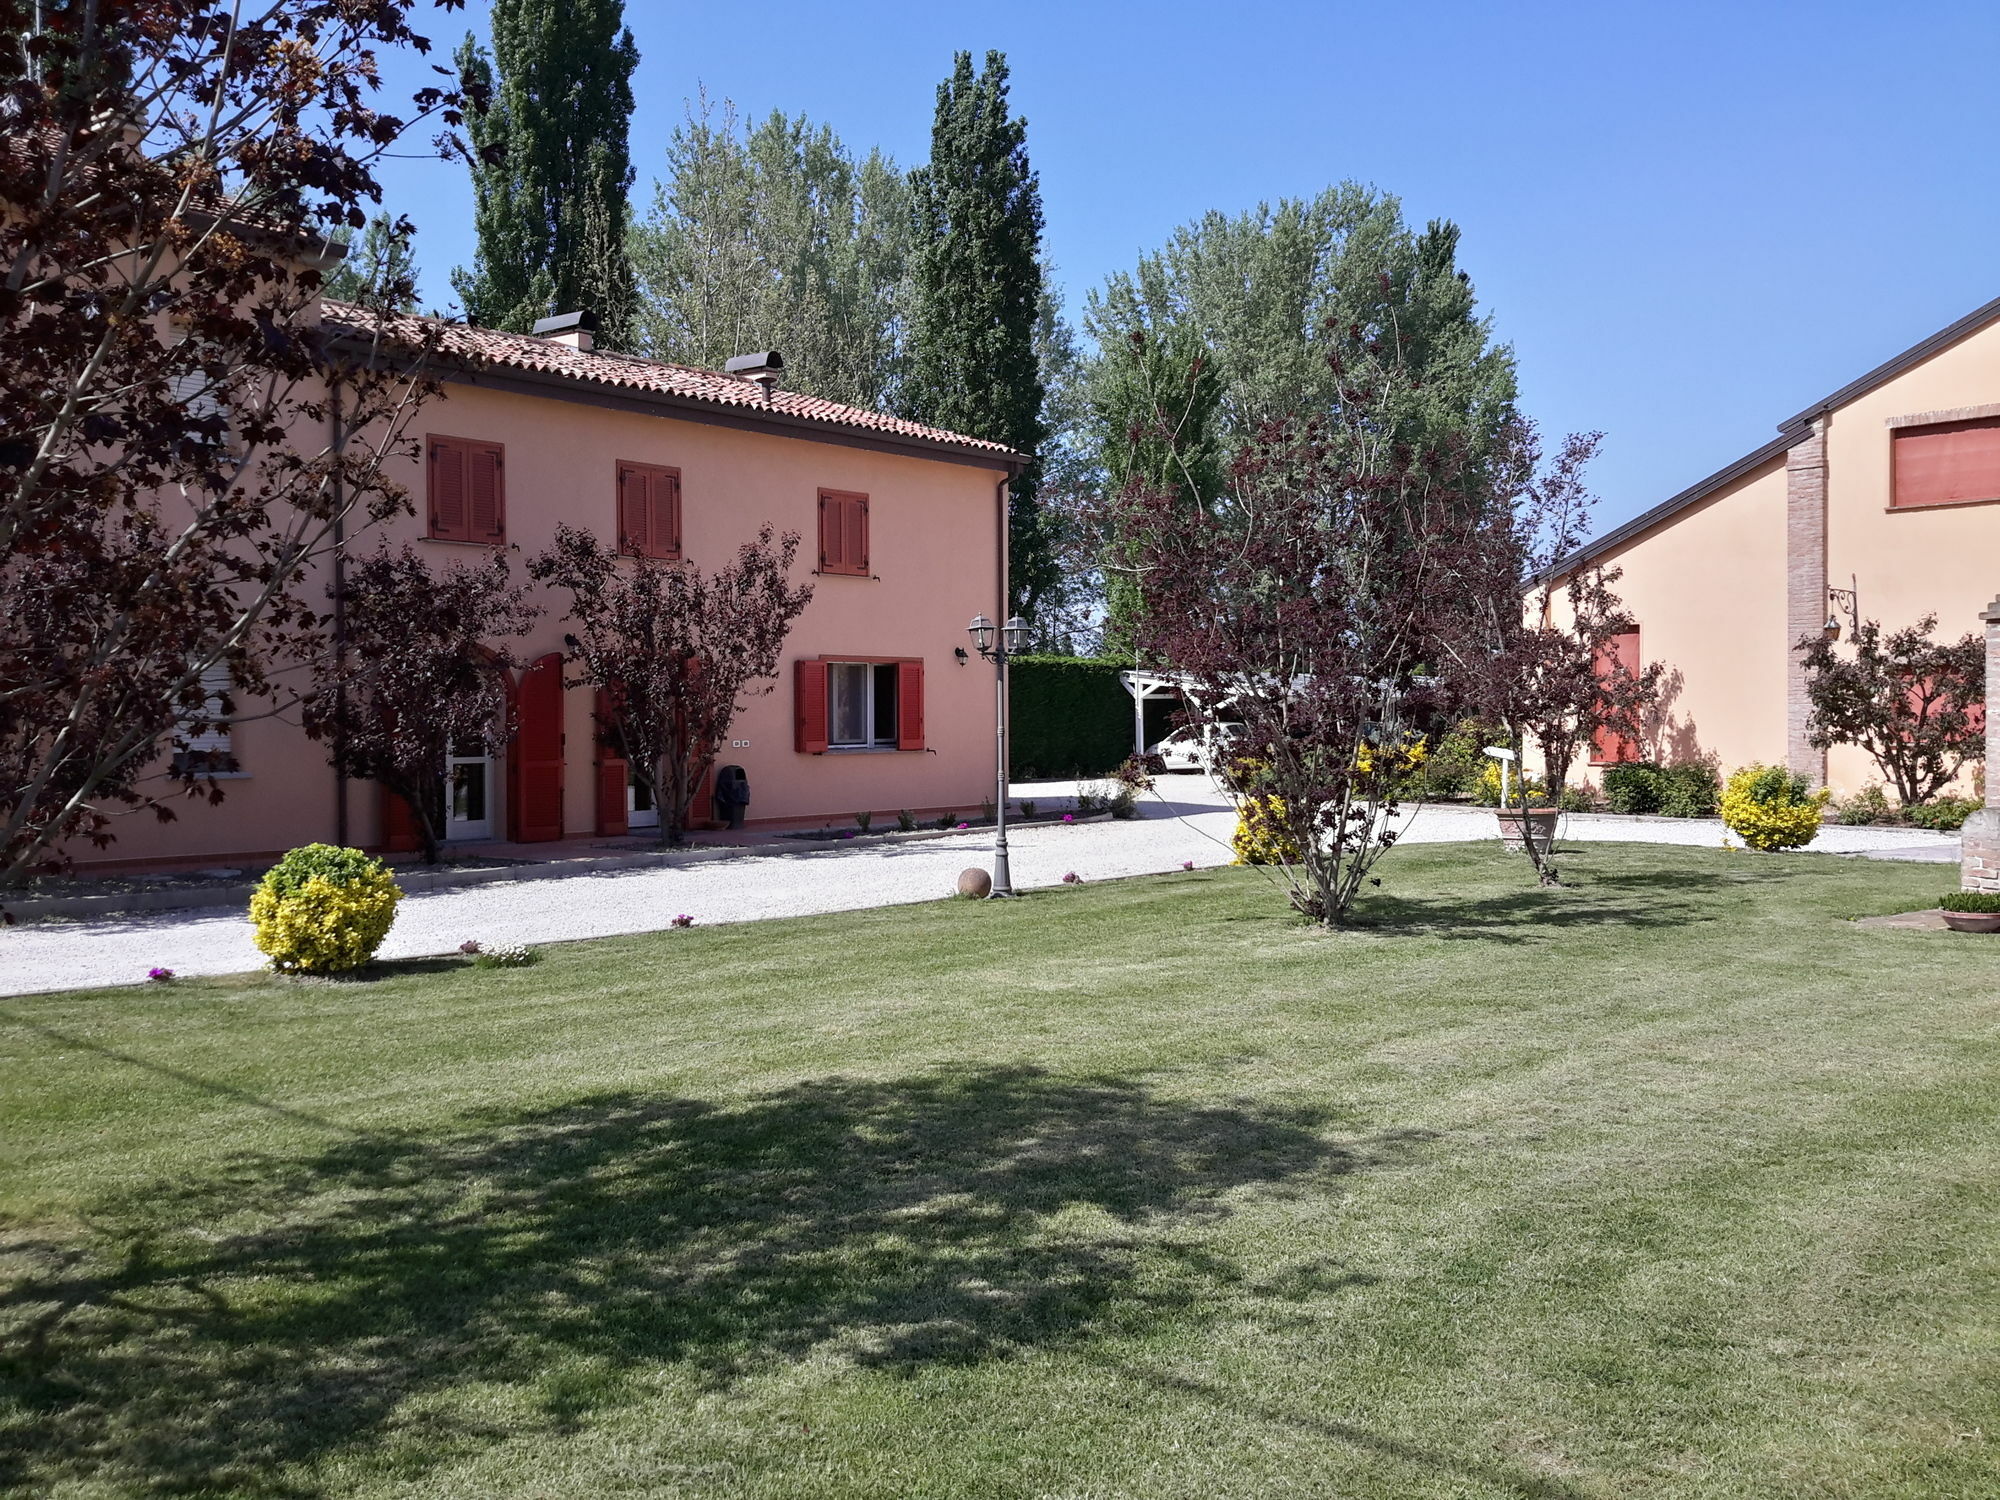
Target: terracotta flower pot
x=1973, y=921
x=1541, y=821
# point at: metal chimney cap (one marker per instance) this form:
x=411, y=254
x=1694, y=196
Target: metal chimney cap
x=751, y=364
x=569, y=322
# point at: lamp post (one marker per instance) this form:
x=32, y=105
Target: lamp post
x=1012, y=637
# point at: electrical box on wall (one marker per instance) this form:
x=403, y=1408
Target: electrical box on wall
x=739, y=744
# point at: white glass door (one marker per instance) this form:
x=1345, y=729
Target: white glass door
x=639, y=809
x=468, y=785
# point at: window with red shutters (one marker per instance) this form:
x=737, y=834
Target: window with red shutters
x=1945, y=463
x=843, y=533
x=649, y=510
x=467, y=488
x=1608, y=748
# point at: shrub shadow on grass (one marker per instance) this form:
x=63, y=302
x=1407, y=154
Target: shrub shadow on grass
x=1658, y=898
x=217, y=1334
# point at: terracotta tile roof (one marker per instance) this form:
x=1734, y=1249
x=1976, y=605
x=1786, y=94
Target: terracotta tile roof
x=486, y=348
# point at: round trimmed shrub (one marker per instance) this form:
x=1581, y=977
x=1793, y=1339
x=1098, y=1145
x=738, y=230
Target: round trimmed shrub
x=1769, y=807
x=322, y=909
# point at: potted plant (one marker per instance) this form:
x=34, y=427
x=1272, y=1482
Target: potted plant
x=1972, y=911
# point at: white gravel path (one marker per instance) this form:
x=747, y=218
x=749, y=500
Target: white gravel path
x=1185, y=820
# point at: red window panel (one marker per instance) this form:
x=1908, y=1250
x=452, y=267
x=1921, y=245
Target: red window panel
x=809, y=706
x=843, y=533
x=1946, y=463
x=447, y=490
x=909, y=705
x=1607, y=747
x=649, y=510
x=467, y=490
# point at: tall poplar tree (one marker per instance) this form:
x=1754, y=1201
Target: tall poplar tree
x=976, y=292
x=549, y=189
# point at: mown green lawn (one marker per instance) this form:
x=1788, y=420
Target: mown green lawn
x=1671, y=1184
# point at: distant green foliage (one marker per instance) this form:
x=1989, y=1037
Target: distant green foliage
x=776, y=237
x=1632, y=788
x=975, y=293
x=550, y=207
x=1690, y=789
x=1869, y=805
x=1942, y=814
x=1458, y=761
x=1070, y=716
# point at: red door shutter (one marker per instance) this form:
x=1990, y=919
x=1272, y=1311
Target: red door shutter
x=447, y=490
x=809, y=705
x=701, y=810
x=485, y=493
x=399, y=823
x=611, y=775
x=666, y=515
x=537, y=755
x=1620, y=655
x=634, y=525
x=909, y=705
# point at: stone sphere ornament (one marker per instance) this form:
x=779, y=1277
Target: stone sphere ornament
x=975, y=883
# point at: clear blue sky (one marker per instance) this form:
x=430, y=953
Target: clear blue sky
x=1690, y=220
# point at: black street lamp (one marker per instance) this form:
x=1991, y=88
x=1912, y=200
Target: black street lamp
x=1013, y=638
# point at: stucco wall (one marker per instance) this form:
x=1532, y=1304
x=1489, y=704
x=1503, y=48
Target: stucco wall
x=933, y=553
x=1909, y=563
x=1707, y=592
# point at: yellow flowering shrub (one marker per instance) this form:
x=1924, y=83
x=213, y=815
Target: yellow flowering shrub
x=1770, y=808
x=323, y=909
x=1488, y=792
x=1260, y=837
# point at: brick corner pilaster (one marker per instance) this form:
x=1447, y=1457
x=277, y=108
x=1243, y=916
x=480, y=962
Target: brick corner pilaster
x=1805, y=590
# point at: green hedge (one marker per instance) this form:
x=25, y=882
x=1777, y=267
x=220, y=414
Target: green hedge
x=1068, y=716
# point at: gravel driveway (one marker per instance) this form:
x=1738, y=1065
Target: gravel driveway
x=1185, y=819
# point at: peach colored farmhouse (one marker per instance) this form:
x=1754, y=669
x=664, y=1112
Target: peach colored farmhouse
x=902, y=526
x=1883, y=498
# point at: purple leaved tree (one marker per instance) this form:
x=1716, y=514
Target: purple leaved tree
x=676, y=650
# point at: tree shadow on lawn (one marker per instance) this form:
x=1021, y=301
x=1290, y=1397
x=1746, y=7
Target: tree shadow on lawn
x=207, y=1335
x=1532, y=913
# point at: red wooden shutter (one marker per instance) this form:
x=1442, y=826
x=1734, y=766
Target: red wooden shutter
x=536, y=755
x=843, y=533
x=909, y=705
x=611, y=774
x=1946, y=462
x=829, y=533
x=1622, y=653
x=399, y=823
x=485, y=493
x=447, y=490
x=809, y=706
x=854, y=532
x=666, y=514
x=634, y=523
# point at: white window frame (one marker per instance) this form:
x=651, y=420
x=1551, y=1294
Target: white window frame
x=872, y=674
